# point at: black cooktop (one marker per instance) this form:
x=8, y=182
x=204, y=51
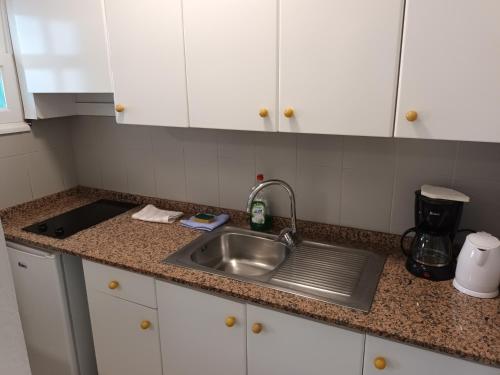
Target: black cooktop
x=71, y=222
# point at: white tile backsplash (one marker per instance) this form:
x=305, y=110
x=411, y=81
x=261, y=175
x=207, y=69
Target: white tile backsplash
x=15, y=186
x=478, y=161
x=140, y=171
x=483, y=212
x=238, y=145
x=236, y=177
x=113, y=164
x=169, y=166
x=88, y=164
x=355, y=181
x=366, y=198
x=320, y=150
x=202, y=182
x=369, y=152
x=37, y=163
x=318, y=192
x=46, y=172
x=363, y=182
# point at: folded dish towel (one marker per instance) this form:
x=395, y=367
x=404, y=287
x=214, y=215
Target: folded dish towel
x=155, y=215
x=219, y=220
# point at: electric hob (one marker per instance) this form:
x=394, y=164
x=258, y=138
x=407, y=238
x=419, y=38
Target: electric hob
x=78, y=219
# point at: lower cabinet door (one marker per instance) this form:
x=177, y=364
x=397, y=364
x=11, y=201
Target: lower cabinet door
x=126, y=336
x=281, y=344
x=200, y=334
x=399, y=359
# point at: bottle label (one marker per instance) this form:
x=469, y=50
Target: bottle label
x=258, y=213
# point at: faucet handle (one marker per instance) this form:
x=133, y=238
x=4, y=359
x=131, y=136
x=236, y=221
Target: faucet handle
x=288, y=237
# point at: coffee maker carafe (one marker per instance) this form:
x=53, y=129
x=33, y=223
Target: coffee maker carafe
x=437, y=216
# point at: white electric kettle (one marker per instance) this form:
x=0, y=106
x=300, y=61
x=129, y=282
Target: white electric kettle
x=478, y=266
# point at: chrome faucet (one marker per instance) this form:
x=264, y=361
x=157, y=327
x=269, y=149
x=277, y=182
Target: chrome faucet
x=287, y=235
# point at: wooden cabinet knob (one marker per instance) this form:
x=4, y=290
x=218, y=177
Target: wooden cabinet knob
x=411, y=116
x=119, y=107
x=288, y=112
x=113, y=284
x=145, y=324
x=379, y=363
x=230, y=321
x=264, y=112
x=257, y=328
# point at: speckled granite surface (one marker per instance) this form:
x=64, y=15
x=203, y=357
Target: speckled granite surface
x=424, y=313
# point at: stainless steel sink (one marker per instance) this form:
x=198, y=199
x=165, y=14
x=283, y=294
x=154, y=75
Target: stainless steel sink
x=240, y=254
x=336, y=274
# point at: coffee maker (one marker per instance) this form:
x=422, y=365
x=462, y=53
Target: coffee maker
x=438, y=212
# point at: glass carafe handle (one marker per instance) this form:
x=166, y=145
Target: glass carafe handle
x=406, y=252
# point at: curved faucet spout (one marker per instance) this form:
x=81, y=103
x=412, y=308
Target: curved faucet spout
x=293, y=217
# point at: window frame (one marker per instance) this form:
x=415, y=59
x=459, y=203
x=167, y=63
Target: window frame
x=11, y=118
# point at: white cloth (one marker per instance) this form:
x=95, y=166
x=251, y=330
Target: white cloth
x=155, y=215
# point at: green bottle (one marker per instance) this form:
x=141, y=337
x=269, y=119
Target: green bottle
x=260, y=219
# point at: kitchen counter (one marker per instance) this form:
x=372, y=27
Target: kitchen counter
x=429, y=314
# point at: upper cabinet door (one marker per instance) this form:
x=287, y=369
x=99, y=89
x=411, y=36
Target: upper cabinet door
x=147, y=61
x=60, y=45
x=450, y=71
x=338, y=66
x=146, y=49
x=231, y=62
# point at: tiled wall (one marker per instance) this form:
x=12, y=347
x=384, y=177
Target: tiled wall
x=354, y=181
x=36, y=163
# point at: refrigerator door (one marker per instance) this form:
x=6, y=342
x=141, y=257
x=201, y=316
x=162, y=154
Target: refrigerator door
x=41, y=297
x=13, y=355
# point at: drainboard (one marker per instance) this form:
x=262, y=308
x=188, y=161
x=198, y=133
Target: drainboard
x=321, y=271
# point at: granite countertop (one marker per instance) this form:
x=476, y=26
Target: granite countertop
x=429, y=314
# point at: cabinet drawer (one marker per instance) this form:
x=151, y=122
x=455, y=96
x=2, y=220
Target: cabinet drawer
x=120, y=283
x=402, y=359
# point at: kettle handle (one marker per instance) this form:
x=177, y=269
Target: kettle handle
x=406, y=252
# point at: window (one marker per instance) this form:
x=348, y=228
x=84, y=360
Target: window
x=11, y=114
x=3, y=101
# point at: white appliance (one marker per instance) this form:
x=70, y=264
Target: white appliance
x=52, y=300
x=478, y=266
x=13, y=355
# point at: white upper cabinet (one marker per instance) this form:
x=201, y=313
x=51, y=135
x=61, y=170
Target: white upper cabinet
x=450, y=71
x=231, y=63
x=281, y=344
x=339, y=63
x=60, y=45
x=147, y=61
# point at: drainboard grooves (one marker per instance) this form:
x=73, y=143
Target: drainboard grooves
x=322, y=270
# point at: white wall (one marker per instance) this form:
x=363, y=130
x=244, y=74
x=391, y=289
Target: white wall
x=36, y=163
x=354, y=181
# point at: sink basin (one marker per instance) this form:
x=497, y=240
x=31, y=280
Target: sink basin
x=336, y=274
x=240, y=254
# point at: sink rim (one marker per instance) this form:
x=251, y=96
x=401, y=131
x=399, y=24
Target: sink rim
x=361, y=299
